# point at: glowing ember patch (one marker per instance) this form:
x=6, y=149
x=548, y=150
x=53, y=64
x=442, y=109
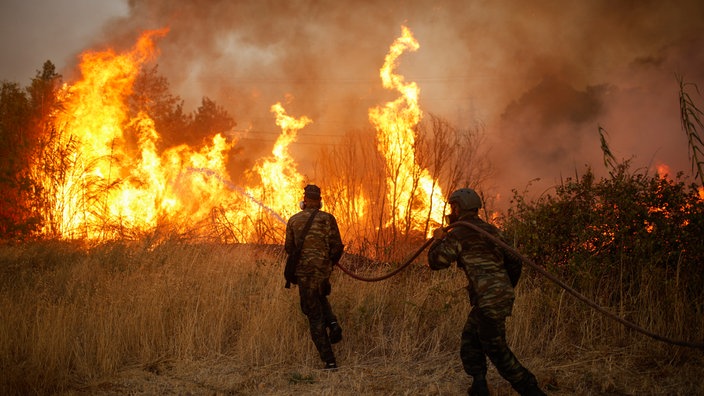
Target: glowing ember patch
x=663, y=171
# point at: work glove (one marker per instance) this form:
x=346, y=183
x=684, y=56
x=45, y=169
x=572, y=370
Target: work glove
x=439, y=234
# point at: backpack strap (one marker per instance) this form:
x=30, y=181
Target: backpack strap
x=305, y=231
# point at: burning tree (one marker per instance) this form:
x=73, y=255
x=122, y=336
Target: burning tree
x=24, y=133
x=411, y=193
x=105, y=169
x=105, y=182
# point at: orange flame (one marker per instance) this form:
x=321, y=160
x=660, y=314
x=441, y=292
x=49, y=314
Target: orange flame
x=109, y=187
x=281, y=183
x=114, y=180
x=411, y=192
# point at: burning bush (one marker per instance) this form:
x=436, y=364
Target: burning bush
x=615, y=229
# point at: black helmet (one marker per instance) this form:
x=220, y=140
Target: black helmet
x=466, y=199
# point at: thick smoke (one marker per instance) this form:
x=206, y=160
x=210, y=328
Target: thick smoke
x=541, y=77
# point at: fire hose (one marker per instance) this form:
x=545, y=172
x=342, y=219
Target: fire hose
x=537, y=268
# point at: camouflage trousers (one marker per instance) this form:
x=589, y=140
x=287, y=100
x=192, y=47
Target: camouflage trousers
x=315, y=305
x=485, y=335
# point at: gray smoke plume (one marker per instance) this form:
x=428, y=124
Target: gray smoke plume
x=541, y=76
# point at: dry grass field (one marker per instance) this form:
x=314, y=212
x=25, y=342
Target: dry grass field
x=179, y=318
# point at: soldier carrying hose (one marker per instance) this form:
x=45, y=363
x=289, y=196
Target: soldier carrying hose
x=492, y=275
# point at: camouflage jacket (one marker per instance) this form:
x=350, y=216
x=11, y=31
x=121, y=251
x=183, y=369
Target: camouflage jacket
x=322, y=246
x=483, y=263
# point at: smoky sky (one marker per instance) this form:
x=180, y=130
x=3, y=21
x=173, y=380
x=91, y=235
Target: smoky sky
x=539, y=77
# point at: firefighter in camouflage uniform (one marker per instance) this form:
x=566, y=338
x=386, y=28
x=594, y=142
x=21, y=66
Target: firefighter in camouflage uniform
x=490, y=293
x=321, y=249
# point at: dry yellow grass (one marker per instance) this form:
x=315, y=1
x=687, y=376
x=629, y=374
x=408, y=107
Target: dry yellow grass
x=179, y=318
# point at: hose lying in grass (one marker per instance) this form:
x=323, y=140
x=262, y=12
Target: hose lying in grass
x=537, y=268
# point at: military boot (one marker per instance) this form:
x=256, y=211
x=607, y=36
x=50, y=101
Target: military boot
x=479, y=387
x=529, y=387
x=533, y=390
x=335, y=334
